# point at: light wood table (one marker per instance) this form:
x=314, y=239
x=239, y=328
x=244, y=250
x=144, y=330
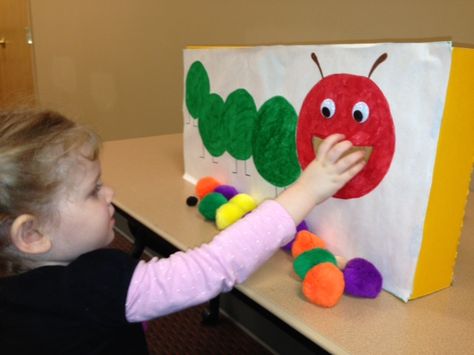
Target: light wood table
x=146, y=174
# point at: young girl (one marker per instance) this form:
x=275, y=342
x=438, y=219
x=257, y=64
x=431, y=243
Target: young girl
x=65, y=293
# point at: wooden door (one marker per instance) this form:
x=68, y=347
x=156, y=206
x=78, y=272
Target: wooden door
x=16, y=64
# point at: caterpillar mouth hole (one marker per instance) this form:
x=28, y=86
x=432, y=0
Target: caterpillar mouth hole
x=366, y=149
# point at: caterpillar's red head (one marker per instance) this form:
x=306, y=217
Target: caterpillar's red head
x=354, y=106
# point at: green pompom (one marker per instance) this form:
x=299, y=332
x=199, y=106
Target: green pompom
x=304, y=262
x=209, y=205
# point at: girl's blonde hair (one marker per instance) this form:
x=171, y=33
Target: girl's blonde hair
x=37, y=149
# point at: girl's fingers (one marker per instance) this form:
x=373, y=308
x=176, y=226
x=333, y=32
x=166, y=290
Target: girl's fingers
x=352, y=171
x=348, y=161
x=328, y=143
x=337, y=150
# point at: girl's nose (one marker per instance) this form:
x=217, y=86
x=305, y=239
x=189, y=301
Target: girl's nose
x=109, y=193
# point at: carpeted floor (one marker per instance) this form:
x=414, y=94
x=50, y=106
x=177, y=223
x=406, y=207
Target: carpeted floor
x=183, y=332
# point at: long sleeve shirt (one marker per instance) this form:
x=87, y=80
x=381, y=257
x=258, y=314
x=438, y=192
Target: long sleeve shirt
x=162, y=286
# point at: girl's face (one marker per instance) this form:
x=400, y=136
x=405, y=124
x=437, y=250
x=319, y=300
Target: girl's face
x=86, y=213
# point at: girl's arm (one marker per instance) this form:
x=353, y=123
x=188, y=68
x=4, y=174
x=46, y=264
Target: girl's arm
x=160, y=287
x=163, y=286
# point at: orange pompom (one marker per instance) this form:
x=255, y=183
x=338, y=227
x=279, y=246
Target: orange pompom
x=205, y=186
x=305, y=241
x=324, y=285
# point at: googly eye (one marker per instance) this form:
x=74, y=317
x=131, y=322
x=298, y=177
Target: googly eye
x=328, y=108
x=360, y=112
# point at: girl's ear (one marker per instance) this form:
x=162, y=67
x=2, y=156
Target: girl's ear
x=26, y=237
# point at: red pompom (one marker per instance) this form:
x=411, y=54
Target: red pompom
x=324, y=285
x=205, y=186
x=305, y=241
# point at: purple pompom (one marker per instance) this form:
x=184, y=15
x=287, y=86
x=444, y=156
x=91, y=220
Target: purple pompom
x=287, y=247
x=226, y=190
x=299, y=228
x=362, y=279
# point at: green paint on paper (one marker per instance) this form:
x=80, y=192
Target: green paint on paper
x=239, y=118
x=274, y=142
x=211, y=126
x=197, y=89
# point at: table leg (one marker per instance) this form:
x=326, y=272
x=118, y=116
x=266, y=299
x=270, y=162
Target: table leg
x=211, y=316
x=138, y=233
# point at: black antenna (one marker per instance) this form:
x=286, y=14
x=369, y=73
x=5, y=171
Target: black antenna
x=315, y=59
x=377, y=62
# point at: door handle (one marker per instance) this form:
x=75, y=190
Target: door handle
x=3, y=42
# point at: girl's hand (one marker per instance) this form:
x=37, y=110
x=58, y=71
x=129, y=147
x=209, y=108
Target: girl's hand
x=331, y=169
x=323, y=177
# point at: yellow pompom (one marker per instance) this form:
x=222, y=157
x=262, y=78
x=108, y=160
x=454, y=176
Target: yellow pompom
x=244, y=201
x=227, y=214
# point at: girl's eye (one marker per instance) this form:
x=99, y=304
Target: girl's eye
x=96, y=189
x=328, y=108
x=361, y=112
